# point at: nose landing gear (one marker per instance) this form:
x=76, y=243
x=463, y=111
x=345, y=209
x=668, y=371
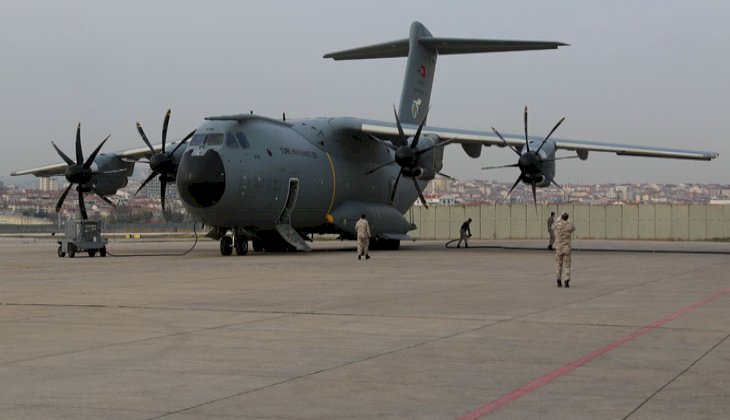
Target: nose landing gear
x=237, y=242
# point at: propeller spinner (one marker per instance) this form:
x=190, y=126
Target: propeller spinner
x=162, y=163
x=79, y=173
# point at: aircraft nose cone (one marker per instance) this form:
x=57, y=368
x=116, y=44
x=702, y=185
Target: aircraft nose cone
x=201, y=180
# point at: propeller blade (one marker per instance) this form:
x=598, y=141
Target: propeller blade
x=163, y=187
x=380, y=167
x=149, y=178
x=386, y=143
x=63, y=155
x=439, y=144
x=420, y=193
x=514, y=149
x=445, y=176
x=144, y=138
x=103, y=197
x=63, y=198
x=418, y=132
x=164, y=129
x=514, y=165
x=82, y=206
x=395, y=187
x=515, y=184
x=527, y=141
x=91, y=158
x=550, y=134
x=79, y=153
x=402, y=135
x=183, y=142
x=534, y=197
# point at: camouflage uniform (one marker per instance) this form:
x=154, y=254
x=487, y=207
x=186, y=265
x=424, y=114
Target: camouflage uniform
x=551, y=231
x=563, y=233
x=362, y=227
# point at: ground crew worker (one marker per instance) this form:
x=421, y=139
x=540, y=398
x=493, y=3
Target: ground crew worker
x=362, y=227
x=563, y=235
x=550, y=222
x=464, y=233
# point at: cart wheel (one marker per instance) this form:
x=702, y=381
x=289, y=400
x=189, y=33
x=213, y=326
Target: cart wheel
x=92, y=252
x=102, y=252
x=226, y=245
x=71, y=250
x=61, y=254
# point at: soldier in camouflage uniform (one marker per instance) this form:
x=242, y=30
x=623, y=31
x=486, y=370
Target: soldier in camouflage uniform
x=563, y=234
x=362, y=227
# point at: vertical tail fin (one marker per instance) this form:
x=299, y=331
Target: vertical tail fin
x=418, y=81
x=422, y=49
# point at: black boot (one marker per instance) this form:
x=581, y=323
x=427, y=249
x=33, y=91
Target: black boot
x=567, y=283
x=560, y=283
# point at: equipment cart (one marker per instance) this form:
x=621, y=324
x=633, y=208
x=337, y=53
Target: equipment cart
x=82, y=235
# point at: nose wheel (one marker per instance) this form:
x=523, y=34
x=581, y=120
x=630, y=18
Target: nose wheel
x=241, y=245
x=228, y=244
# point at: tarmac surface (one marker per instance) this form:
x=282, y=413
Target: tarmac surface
x=426, y=332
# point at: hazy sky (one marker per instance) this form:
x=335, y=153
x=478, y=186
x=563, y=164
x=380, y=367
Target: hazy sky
x=650, y=72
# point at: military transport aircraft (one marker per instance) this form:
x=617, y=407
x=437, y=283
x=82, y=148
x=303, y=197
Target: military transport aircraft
x=274, y=181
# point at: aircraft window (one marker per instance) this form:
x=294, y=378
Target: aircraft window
x=214, y=139
x=197, y=140
x=242, y=140
x=231, y=142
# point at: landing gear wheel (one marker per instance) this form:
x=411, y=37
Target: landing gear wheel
x=102, y=252
x=61, y=254
x=226, y=246
x=92, y=252
x=71, y=250
x=241, y=245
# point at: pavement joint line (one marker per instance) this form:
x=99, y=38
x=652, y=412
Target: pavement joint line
x=677, y=376
x=247, y=311
x=326, y=370
x=571, y=366
x=140, y=340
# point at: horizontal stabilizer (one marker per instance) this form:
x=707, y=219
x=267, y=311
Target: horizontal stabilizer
x=443, y=46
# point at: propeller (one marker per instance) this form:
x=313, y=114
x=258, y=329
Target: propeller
x=530, y=161
x=161, y=163
x=79, y=172
x=407, y=157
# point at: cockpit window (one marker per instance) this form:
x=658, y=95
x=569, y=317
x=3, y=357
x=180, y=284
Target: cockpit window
x=197, y=140
x=242, y=140
x=231, y=142
x=213, y=139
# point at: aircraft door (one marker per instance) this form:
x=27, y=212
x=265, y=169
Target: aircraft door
x=291, y=201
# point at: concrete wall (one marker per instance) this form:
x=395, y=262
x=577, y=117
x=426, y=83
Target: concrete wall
x=679, y=222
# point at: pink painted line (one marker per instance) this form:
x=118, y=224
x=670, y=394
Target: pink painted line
x=544, y=380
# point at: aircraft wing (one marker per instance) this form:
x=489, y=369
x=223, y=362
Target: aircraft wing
x=471, y=138
x=130, y=155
